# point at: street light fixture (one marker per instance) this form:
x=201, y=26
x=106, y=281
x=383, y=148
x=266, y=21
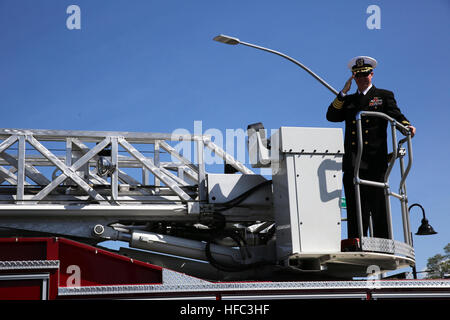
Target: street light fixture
x=424, y=230
x=226, y=39
x=234, y=41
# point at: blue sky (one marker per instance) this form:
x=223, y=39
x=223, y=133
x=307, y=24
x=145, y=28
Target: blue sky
x=151, y=66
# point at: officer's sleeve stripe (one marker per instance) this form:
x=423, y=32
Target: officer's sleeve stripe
x=338, y=104
x=406, y=122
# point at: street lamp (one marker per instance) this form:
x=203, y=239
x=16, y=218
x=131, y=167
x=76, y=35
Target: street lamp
x=424, y=230
x=234, y=41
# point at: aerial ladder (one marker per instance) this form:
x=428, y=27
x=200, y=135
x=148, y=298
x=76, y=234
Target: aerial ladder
x=169, y=214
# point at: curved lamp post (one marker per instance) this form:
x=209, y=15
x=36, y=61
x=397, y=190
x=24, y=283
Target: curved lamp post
x=424, y=229
x=234, y=41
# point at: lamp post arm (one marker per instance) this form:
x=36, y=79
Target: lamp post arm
x=417, y=205
x=294, y=61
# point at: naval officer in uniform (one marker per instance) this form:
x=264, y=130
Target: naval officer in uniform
x=374, y=160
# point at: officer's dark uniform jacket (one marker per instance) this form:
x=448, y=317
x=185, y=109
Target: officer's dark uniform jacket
x=374, y=131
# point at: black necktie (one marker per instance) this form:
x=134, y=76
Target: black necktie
x=359, y=98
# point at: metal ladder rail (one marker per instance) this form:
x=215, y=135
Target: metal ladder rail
x=69, y=169
x=385, y=185
x=82, y=156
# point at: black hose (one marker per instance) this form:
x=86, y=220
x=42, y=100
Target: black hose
x=236, y=201
x=233, y=235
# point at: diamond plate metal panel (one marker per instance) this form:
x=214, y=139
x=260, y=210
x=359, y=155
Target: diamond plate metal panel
x=176, y=278
x=31, y=264
x=254, y=286
x=387, y=246
x=378, y=245
x=404, y=249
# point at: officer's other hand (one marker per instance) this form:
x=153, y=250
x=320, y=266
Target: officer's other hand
x=412, y=130
x=348, y=84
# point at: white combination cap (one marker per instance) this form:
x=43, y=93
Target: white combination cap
x=362, y=64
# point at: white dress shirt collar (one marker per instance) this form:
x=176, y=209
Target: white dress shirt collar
x=367, y=90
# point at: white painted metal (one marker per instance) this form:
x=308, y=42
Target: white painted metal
x=258, y=152
x=226, y=157
x=311, y=140
x=74, y=166
x=306, y=175
x=225, y=187
x=191, y=249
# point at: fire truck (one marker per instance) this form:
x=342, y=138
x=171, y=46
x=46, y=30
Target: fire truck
x=177, y=230
x=180, y=231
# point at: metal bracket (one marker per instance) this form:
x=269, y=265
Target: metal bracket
x=101, y=231
x=193, y=208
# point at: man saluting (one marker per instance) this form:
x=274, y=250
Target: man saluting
x=374, y=160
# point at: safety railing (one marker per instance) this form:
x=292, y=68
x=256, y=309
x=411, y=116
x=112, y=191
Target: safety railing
x=398, y=152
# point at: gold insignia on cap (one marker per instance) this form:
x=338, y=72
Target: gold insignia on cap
x=360, y=62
